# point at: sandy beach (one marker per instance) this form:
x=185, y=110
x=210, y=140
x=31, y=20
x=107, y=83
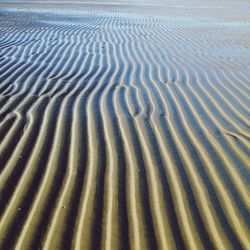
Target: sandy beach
x=125, y=125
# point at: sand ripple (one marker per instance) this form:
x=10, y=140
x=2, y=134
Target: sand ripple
x=123, y=127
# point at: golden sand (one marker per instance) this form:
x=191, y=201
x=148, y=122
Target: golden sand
x=125, y=125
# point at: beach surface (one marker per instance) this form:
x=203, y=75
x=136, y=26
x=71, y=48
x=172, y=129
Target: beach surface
x=125, y=125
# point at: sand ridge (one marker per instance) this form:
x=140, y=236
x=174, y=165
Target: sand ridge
x=124, y=126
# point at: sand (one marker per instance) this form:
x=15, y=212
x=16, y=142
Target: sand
x=125, y=125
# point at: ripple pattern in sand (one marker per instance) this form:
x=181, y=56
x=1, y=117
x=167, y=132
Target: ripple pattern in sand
x=122, y=130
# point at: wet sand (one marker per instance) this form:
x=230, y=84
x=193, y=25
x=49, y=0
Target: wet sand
x=124, y=125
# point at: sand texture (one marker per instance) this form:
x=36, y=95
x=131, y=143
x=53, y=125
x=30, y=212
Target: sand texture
x=125, y=125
